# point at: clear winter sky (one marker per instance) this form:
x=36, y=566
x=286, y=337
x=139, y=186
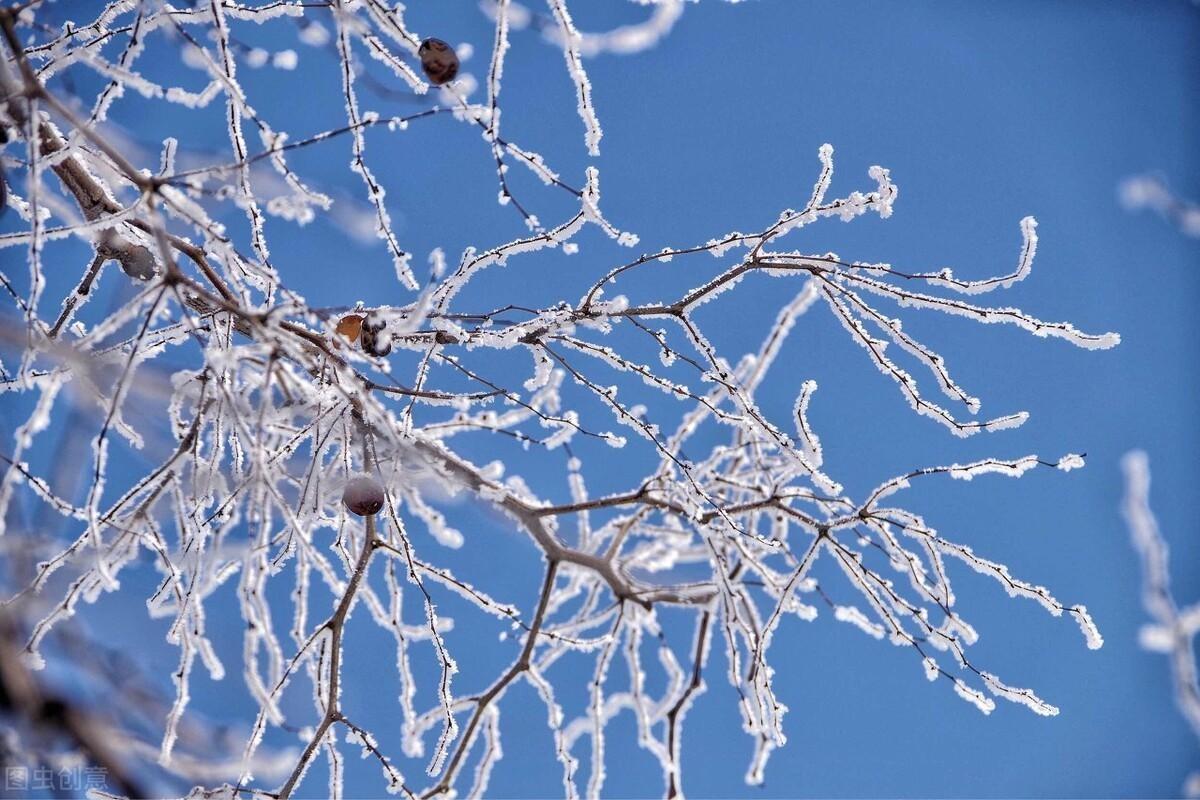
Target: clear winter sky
x=984, y=113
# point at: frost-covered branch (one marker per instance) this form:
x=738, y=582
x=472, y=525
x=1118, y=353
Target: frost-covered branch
x=1151, y=192
x=1173, y=629
x=236, y=422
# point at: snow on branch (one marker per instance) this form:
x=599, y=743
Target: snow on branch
x=1151, y=191
x=1173, y=629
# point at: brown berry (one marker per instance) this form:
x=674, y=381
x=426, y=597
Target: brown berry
x=350, y=326
x=363, y=496
x=439, y=61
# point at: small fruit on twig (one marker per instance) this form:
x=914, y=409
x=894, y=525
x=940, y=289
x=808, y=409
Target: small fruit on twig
x=439, y=61
x=363, y=496
x=137, y=262
x=350, y=326
x=376, y=341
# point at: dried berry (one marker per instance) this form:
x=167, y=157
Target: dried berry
x=137, y=262
x=376, y=341
x=350, y=326
x=439, y=61
x=363, y=496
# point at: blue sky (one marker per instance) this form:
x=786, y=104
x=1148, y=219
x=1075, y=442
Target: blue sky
x=984, y=113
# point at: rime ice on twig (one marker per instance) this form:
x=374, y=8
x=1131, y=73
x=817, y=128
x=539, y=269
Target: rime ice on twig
x=1173, y=630
x=1152, y=192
